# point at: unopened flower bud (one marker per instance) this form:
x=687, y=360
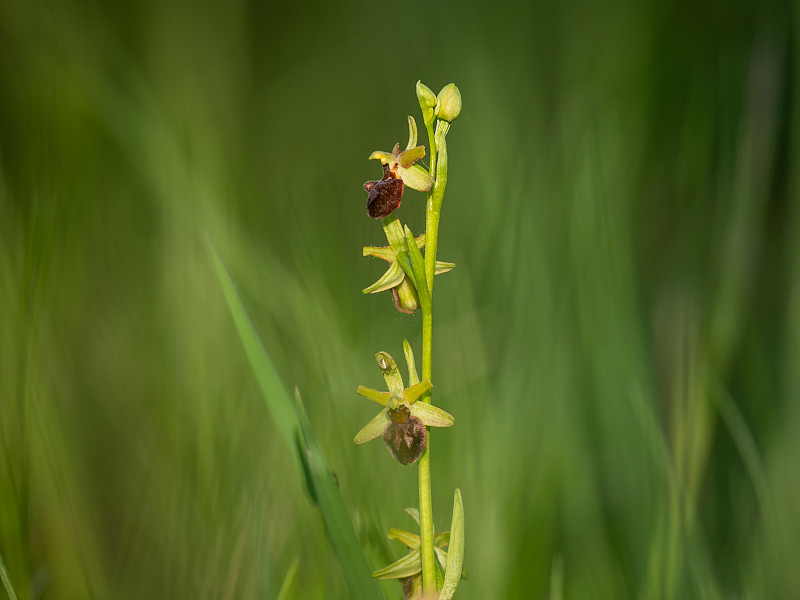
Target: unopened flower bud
x=427, y=102
x=449, y=103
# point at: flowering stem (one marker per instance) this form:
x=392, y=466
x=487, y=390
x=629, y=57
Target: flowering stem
x=432, y=214
x=425, y=502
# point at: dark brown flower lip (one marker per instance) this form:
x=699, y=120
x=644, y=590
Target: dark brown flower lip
x=385, y=195
x=406, y=441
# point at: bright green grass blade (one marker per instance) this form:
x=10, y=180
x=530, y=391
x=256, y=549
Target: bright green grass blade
x=334, y=514
x=292, y=422
x=287, y=581
x=275, y=396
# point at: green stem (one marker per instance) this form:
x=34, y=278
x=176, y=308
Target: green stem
x=432, y=215
x=428, y=557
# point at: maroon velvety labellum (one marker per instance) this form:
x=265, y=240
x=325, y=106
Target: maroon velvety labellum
x=384, y=198
x=406, y=440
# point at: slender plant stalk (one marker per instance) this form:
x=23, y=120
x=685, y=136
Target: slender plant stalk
x=425, y=503
x=432, y=215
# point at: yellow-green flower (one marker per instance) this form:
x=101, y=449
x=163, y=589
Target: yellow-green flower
x=402, y=421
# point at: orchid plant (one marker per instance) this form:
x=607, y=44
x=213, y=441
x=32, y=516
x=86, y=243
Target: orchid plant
x=427, y=570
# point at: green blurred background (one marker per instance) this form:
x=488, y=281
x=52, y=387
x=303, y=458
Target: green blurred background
x=619, y=342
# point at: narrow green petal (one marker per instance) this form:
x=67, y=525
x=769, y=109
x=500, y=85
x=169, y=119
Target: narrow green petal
x=373, y=429
x=455, y=557
x=394, y=381
x=411, y=155
x=409, y=539
x=381, y=398
x=407, y=566
x=432, y=416
x=413, y=378
x=413, y=513
x=415, y=177
x=382, y=252
x=391, y=278
x=412, y=132
x=411, y=394
x=442, y=267
x=384, y=157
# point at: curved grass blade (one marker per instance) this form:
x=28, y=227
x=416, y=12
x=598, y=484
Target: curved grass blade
x=294, y=426
x=6, y=580
x=334, y=514
x=289, y=579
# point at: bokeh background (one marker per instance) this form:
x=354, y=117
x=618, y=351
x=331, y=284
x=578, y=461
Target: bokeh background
x=619, y=342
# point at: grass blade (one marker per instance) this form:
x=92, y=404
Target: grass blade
x=289, y=579
x=292, y=421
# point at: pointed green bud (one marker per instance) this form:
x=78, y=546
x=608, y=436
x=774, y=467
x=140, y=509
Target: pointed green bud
x=449, y=103
x=427, y=102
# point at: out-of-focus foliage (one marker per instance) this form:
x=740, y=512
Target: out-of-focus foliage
x=619, y=342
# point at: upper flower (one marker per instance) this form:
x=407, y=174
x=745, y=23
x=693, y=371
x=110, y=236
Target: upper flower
x=399, y=170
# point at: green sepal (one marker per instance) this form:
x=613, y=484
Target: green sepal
x=455, y=556
x=382, y=252
x=391, y=278
x=373, y=429
x=443, y=267
x=381, y=398
x=432, y=416
x=391, y=374
x=416, y=177
x=406, y=566
x=409, y=539
x=413, y=378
